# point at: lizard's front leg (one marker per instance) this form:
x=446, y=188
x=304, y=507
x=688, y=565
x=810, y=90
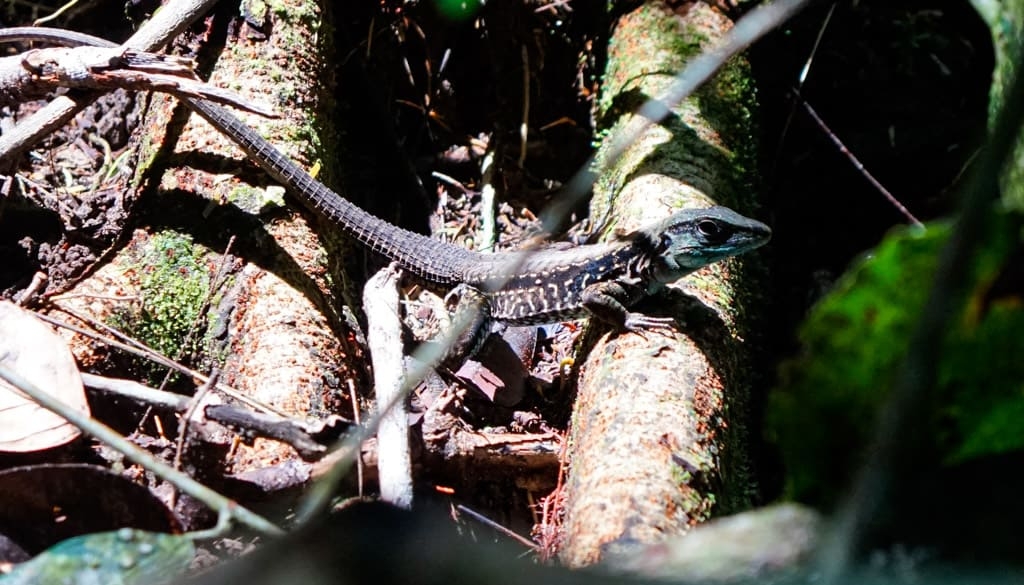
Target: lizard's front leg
x=609, y=302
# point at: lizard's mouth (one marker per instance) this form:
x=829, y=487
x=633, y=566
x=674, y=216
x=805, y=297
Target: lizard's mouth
x=672, y=267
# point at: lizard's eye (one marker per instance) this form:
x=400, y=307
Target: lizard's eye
x=712, y=230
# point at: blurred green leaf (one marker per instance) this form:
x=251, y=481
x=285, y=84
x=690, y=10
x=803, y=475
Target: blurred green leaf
x=823, y=413
x=123, y=557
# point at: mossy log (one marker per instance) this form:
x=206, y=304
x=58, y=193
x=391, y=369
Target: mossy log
x=659, y=431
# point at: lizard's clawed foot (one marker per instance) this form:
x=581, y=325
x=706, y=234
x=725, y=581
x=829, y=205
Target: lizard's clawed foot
x=639, y=323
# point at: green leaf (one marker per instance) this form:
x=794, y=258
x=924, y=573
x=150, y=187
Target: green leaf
x=823, y=413
x=123, y=557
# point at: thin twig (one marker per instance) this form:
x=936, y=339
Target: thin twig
x=524, y=125
x=300, y=434
x=153, y=355
x=859, y=165
x=38, y=72
x=801, y=78
x=357, y=418
x=488, y=200
x=56, y=14
x=451, y=181
x=492, y=524
x=384, y=339
x=133, y=453
x=194, y=404
x=172, y=18
x=28, y=295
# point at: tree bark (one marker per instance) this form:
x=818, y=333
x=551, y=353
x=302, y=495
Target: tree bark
x=275, y=325
x=659, y=432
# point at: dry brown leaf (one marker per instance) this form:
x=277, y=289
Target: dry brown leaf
x=33, y=350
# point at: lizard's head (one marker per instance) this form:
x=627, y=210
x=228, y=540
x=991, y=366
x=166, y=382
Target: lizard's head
x=693, y=238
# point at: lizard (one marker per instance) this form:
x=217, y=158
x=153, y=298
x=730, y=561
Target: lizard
x=527, y=287
x=602, y=280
